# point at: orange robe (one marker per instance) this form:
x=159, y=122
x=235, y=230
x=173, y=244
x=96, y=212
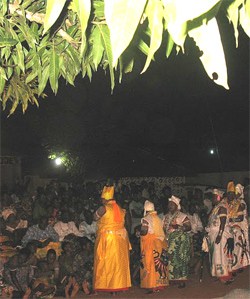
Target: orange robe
x=111, y=259
x=154, y=273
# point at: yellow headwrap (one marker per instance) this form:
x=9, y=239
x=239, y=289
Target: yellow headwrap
x=231, y=187
x=108, y=192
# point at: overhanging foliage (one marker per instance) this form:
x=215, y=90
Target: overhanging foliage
x=44, y=40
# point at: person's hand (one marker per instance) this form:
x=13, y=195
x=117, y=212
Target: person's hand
x=218, y=239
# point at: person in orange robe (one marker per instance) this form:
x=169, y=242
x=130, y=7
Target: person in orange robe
x=111, y=255
x=154, y=270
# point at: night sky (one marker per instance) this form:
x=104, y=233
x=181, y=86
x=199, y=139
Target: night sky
x=161, y=123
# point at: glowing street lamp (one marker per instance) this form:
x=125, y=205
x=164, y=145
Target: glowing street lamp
x=58, y=161
x=211, y=152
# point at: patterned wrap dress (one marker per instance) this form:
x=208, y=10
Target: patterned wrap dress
x=154, y=269
x=220, y=255
x=179, y=246
x=241, y=258
x=111, y=254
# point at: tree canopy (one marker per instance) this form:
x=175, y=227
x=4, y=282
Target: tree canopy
x=42, y=41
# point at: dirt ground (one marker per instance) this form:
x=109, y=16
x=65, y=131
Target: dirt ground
x=208, y=288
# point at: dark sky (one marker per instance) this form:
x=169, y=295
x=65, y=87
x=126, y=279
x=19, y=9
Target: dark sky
x=160, y=123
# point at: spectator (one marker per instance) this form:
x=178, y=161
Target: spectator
x=83, y=265
x=42, y=231
x=66, y=227
x=16, y=274
x=88, y=227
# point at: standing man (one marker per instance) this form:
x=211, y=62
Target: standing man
x=111, y=256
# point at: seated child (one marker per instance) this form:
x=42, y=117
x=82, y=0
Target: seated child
x=42, y=286
x=67, y=280
x=83, y=265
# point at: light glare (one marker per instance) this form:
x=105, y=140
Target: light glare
x=58, y=161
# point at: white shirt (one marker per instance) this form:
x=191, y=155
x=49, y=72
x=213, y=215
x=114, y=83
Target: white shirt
x=88, y=230
x=64, y=229
x=196, y=224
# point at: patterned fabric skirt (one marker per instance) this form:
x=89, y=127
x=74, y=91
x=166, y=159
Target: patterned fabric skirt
x=179, y=252
x=154, y=264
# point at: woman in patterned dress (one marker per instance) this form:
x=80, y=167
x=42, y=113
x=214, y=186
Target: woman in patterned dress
x=176, y=226
x=154, y=270
x=239, y=224
x=220, y=242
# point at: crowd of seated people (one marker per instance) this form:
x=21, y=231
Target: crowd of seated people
x=47, y=237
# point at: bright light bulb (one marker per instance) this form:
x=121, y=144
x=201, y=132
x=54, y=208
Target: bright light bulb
x=58, y=161
x=211, y=151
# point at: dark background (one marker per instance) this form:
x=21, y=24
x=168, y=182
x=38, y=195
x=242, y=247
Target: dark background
x=163, y=122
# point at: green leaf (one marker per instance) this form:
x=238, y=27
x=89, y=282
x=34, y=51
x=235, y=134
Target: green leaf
x=3, y=79
x=179, y=12
x=143, y=47
x=44, y=79
x=31, y=76
x=20, y=54
x=4, y=7
x=233, y=16
x=75, y=58
x=170, y=44
x=97, y=47
x=99, y=9
x=26, y=32
x=123, y=17
x=53, y=11
x=83, y=8
x=7, y=42
x=154, y=12
x=54, y=69
x=245, y=17
x=105, y=36
x=14, y=106
x=207, y=38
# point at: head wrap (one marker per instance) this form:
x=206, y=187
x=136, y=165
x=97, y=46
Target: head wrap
x=218, y=192
x=239, y=189
x=231, y=187
x=108, y=192
x=148, y=207
x=175, y=200
x=7, y=212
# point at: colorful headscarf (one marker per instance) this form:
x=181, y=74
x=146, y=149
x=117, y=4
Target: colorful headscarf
x=231, y=187
x=175, y=200
x=239, y=189
x=7, y=212
x=148, y=207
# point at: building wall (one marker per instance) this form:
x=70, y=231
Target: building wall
x=10, y=170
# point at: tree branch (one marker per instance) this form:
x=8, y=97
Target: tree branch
x=39, y=18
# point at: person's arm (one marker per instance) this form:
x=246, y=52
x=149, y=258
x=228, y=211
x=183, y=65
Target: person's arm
x=99, y=213
x=223, y=217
